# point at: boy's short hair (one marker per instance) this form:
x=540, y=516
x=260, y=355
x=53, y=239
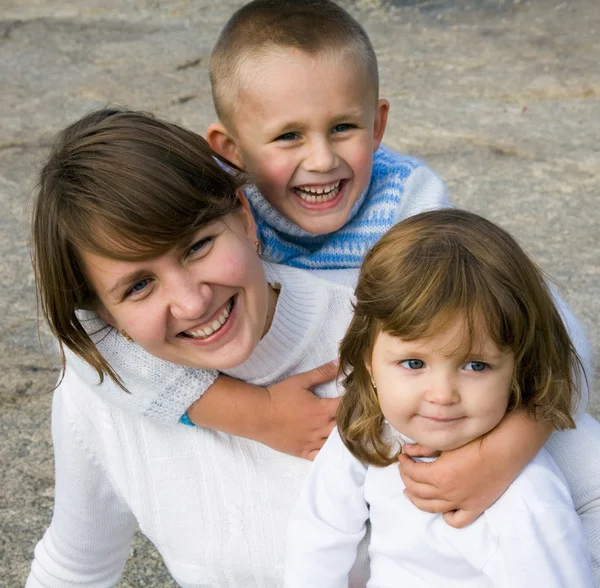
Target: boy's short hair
x=314, y=27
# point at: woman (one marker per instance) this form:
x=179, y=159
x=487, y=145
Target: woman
x=137, y=221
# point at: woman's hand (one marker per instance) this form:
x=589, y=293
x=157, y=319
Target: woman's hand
x=462, y=483
x=287, y=416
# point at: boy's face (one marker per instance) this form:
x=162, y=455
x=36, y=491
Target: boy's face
x=306, y=129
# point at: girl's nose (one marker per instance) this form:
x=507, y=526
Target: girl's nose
x=442, y=390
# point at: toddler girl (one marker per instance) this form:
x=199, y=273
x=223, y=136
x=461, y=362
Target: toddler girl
x=453, y=327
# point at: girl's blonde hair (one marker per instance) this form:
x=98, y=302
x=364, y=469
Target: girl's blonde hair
x=419, y=277
x=123, y=185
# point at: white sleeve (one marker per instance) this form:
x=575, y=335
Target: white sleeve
x=583, y=348
x=544, y=548
x=328, y=521
x=158, y=389
x=88, y=540
x=423, y=190
x=577, y=454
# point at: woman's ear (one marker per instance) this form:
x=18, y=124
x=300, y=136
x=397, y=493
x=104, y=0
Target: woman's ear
x=223, y=142
x=105, y=315
x=247, y=218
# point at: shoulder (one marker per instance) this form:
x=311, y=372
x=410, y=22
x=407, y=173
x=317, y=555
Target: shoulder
x=539, y=492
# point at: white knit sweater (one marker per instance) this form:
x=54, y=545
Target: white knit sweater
x=215, y=506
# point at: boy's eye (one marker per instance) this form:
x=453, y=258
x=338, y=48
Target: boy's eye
x=342, y=128
x=413, y=364
x=476, y=366
x=287, y=137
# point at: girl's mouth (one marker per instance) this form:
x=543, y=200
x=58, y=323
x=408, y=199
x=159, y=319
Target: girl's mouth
x=214, y=326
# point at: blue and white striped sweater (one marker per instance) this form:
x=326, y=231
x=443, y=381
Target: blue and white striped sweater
x=372, y=215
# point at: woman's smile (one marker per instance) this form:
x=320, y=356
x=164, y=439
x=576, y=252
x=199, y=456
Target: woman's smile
x=215, y=328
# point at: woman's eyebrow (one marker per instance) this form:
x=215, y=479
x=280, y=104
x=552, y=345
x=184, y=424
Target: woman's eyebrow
x=127, y=279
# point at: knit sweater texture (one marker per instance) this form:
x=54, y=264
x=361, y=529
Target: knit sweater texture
x=215, y=506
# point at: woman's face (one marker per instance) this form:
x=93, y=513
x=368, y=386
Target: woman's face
x=204, y=304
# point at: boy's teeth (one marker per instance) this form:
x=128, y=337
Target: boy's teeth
x=323, y=194
x=204, y=332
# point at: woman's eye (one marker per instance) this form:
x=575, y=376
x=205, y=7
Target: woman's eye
x=287, y=137
x=412, y=364
x=342, y=128
x=199, y=245
x=137, y=287
x=476, y=366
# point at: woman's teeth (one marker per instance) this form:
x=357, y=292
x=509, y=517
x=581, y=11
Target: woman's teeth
x=204, y=332
x=322, y=194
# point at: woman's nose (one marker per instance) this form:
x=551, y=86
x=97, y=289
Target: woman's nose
x=189, y=298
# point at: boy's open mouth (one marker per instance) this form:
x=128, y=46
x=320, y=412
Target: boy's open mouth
x=319, y=194
x=214, y=326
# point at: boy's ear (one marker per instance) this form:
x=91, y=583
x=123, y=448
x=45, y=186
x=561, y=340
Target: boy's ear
x=222, y=141
x=381, y=116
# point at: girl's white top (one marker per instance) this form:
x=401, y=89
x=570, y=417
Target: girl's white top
x=215, y=506
x=530, y=537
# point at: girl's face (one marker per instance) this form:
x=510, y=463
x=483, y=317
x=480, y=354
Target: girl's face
x=429, y=392
x=202, y=305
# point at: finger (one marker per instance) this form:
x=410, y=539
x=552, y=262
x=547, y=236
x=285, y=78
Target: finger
x=460, y=518
x=418, y=471
x=418, y=450
x=422, y=491
x=312, y=454
x=319, y=375
x=433, y=506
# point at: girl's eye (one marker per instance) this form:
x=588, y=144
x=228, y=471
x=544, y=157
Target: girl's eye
x=287, y=137
x=342, y=128
x=476, y=366
x=413, y=364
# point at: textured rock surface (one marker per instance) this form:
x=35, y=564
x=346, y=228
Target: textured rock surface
x=500, y=97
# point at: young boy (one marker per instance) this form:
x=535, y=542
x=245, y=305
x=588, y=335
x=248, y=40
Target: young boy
x=295, y=86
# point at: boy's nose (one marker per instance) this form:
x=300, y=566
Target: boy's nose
x=189, y=299
x=322, y=158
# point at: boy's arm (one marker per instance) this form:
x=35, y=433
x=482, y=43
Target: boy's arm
x=464, y=482
x=328, y=520
x=286, y=416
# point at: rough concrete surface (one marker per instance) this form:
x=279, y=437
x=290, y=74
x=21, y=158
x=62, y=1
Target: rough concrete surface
x=500, y=97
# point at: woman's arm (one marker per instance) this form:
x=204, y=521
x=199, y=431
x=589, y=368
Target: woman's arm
x=88, y=540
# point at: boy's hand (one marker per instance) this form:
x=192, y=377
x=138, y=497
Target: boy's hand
x=463, y=482
x=299, y=422
x=449, y=485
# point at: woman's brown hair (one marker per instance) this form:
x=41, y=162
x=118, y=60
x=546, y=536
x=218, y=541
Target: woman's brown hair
x=418, y=278
x=123, y=185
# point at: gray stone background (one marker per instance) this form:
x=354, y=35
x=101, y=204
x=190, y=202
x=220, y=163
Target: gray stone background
x=500, y=97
